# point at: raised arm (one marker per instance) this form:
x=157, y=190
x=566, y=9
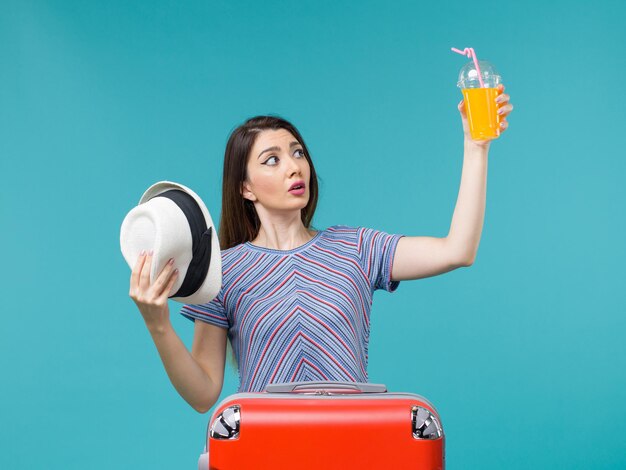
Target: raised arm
x=420, y=257
x=197, y=376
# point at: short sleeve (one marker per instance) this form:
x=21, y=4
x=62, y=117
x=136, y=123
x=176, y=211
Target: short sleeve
x=212, y=312
x=376, y=251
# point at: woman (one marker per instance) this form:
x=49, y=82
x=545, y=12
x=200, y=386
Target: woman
x=295, y=302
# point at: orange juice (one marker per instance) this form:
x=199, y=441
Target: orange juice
x=482, y=112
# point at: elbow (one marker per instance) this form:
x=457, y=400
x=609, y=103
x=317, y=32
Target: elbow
x=205, y=405
x=208, y=398
x=466, y=262
x=461, y=254
x=201, y=409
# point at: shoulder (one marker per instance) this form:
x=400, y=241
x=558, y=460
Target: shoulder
x=233, y=253
x=340, y=234
x=342, y=239
x=354, y=235
x=234, y=257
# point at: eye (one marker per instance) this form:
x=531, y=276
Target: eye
x=272, y=161
x=301, y=152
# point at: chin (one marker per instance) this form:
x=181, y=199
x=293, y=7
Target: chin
x=302, y=204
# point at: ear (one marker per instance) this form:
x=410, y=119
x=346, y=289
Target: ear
x=246, y=192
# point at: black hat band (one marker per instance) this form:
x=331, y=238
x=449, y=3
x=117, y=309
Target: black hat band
x=200, y=242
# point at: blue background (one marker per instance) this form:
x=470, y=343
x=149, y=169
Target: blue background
x=522, y=353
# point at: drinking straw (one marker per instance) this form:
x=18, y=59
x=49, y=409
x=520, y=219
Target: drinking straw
x=469, y=52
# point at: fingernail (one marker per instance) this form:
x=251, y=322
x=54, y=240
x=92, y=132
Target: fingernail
x=171, y=261
x=151, y=252
x=143, y=252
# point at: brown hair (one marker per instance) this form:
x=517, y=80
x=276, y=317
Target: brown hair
x=239, y=222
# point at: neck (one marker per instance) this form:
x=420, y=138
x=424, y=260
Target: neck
x=282, y=231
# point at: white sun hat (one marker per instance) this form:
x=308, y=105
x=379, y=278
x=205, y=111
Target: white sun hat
x=173, y=221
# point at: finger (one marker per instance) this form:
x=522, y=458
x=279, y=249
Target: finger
x=144, y=277
x=461, y=107
x=134, y=277
x=505, y=110
x=503, y=125
x=168, y=287
x=163, y=277
x=503, y=98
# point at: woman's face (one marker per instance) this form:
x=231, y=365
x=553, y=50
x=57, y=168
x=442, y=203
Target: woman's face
x=275, y=163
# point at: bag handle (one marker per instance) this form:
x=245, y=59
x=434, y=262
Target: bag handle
x=325, y=387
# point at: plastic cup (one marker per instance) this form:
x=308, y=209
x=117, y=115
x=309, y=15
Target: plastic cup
x=480, y=102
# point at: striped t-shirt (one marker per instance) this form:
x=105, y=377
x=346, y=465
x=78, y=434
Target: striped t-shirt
x=301, y=314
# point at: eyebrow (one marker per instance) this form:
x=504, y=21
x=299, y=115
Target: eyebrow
x=277, y=149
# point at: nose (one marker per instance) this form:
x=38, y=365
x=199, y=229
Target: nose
x=294, y=167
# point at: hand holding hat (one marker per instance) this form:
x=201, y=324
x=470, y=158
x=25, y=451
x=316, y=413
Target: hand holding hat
x=174, y=223
x=151, y=297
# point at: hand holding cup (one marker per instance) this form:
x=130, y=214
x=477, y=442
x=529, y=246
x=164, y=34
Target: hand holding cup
x=504, y=108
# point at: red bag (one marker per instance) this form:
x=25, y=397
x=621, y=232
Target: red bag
x=324, y=425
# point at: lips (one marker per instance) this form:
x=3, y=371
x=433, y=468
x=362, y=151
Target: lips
x=298, y=185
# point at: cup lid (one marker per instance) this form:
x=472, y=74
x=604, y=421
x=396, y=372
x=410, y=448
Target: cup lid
x=468, y=76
